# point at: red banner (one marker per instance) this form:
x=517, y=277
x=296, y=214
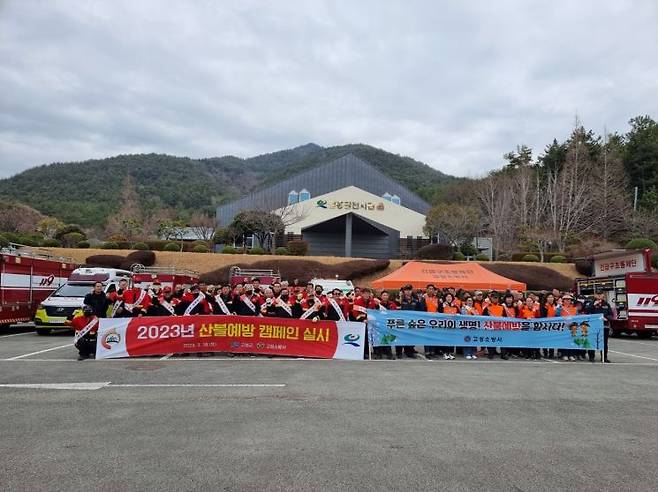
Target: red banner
x=134, y=337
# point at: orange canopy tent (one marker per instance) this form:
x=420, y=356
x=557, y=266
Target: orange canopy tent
x=467, y=275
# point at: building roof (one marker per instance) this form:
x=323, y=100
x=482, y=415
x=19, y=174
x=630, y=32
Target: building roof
x=345, y=171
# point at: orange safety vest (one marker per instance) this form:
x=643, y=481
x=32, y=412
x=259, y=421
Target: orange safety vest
x=550, y=310
x=569, y=311
x=495, y=310
x=432, y=304
x=450, y=309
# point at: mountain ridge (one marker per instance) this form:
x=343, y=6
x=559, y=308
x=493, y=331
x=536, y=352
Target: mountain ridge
x=86, y=192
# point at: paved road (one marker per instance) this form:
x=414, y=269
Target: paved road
x=305, y=424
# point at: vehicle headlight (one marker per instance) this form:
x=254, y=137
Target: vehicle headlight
x=41, y=306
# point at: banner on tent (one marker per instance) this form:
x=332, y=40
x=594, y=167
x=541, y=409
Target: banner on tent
x=135, y=337
x=395, y=328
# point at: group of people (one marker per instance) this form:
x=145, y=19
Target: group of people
x=295, y=300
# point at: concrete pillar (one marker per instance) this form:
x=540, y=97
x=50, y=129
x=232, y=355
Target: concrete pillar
x=348, y=235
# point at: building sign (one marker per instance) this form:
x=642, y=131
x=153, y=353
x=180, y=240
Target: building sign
x=620, y=265
x=349, y=205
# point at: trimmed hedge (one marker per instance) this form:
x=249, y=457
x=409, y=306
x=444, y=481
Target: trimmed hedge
x=105, y=261
x=435, y=252
x=585, y=267
x=82, y=244
x=558, y=259
x=141, y=246
x=281, y=251
x=146, y=258
x=229, y=250
x=458, y=256
x=304, y=270
x=530, y=258
x=4, y=242
x=481, y=257
x=256, y=251
x=654, y=260
x=642, y=243
x=297, y=247
x=110, y=245
x=536, y=277
x=171, y=247
x=200, y=248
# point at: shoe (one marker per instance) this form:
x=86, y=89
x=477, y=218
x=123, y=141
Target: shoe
x=504, y=357
x=490, y=356
x=564, y=357
x=607, y=360
x=81, y=357
x=446, y=356
x=474, y=356
x=592, y=360
x=452, y=356
x=468, y=357
x=572, y=359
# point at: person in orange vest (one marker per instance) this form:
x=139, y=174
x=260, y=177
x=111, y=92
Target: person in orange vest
x=430, y=302
x=468, y=309
x=529, y=310
x=86, y=327
x=568, y=308
x=548, y=309
x=478, y=301
x=449, y=306
x=494, y=308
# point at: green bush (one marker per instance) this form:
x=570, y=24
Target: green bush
x=281, y=251
x=4, y=242
x=435, y=252
x=141, y=246
x=68, y=229
x=28, y=241
x=200, y=248
x=82, y=244
x=297, y=247
x=641, y=243
x=481, y=257
x=654, y=260
x=558, y=259
x=256, y=251
x=110, y=245
x=53, y=243
x=171, y=247
x=468, y=249
x=156, y=245
x=71, y=239
x=458, y=256
x=229, y=250
x=530, y=258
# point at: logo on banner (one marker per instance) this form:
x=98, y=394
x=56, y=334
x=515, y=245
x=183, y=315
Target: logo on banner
x=110, y=337
x=351, y=340
x=467, y=339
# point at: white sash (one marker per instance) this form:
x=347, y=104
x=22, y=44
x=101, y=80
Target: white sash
x=139, y=300
x=360, y=309
x=115, y=308
x=248, y=302
x=335, y=305
x=285, y=306
x=222, y=304
x=168, y=307
x=194, y=303
x=308, y=312
x=382, y=308
x=85, y=330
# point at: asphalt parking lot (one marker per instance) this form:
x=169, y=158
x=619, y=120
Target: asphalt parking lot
x=279, y=424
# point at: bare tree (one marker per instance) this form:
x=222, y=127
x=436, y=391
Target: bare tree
x=128, y=220
x=458, y=224
x=203, y=226
x=495, y=195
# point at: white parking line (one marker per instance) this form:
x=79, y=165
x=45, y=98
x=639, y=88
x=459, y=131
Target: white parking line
x=17, y=334
x=637, y=342
x=194, y=385
x=39, y=352
x=166, y=356
x=632, y=355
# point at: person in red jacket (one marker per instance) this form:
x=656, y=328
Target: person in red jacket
x=86, y=327
x=385, y=304
x=359, y=307
x=135, y=302
x=193, y=302
x=336, y=306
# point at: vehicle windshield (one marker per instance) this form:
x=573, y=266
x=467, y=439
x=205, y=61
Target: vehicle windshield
x=73, y=290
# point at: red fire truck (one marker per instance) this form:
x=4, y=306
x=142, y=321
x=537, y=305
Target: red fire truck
x=239, y=275
x=176, y=278
x=26, y=279
x=626, y=278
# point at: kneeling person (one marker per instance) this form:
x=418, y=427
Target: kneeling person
x=86, y=327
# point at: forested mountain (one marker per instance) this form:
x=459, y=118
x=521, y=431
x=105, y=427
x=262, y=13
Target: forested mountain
x=86, y=192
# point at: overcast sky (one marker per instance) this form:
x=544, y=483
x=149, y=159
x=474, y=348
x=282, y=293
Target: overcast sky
x=453, y=85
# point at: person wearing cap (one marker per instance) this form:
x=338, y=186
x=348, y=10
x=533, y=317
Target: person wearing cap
x=337, y=306
x=494, y=308
x=85, y=326
x=165, y=304
x=407, y=303
x=193, y=302
x=599, y=305
x=247, y=303
x=568, y=308
x=286, y=306
x=478, y=302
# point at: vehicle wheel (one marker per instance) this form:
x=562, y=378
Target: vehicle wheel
x=4, y=327
x=43, y=331
x=644, y=334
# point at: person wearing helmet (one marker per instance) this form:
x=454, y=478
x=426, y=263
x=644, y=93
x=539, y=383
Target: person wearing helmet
x=86, y=327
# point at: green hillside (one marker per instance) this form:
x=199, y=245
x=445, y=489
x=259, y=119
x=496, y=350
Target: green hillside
x=86, y=192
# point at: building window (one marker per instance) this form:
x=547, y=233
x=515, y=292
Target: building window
x=395, y=199
x=387, y=196
x=293, y=197
x=304, y=195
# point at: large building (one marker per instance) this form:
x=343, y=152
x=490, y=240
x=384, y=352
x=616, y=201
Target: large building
x=343, y=208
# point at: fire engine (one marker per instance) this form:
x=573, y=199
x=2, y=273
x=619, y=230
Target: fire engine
x=176, y=278
x=629, y=284
x=239, y=275
x=26, y=279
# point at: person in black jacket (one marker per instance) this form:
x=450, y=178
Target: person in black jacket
x=97, y=300
x=600, y=306
x=407, y=303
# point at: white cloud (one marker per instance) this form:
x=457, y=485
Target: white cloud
x=452, y=85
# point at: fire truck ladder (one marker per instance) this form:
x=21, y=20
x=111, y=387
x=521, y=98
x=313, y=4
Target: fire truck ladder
x=139, y=268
